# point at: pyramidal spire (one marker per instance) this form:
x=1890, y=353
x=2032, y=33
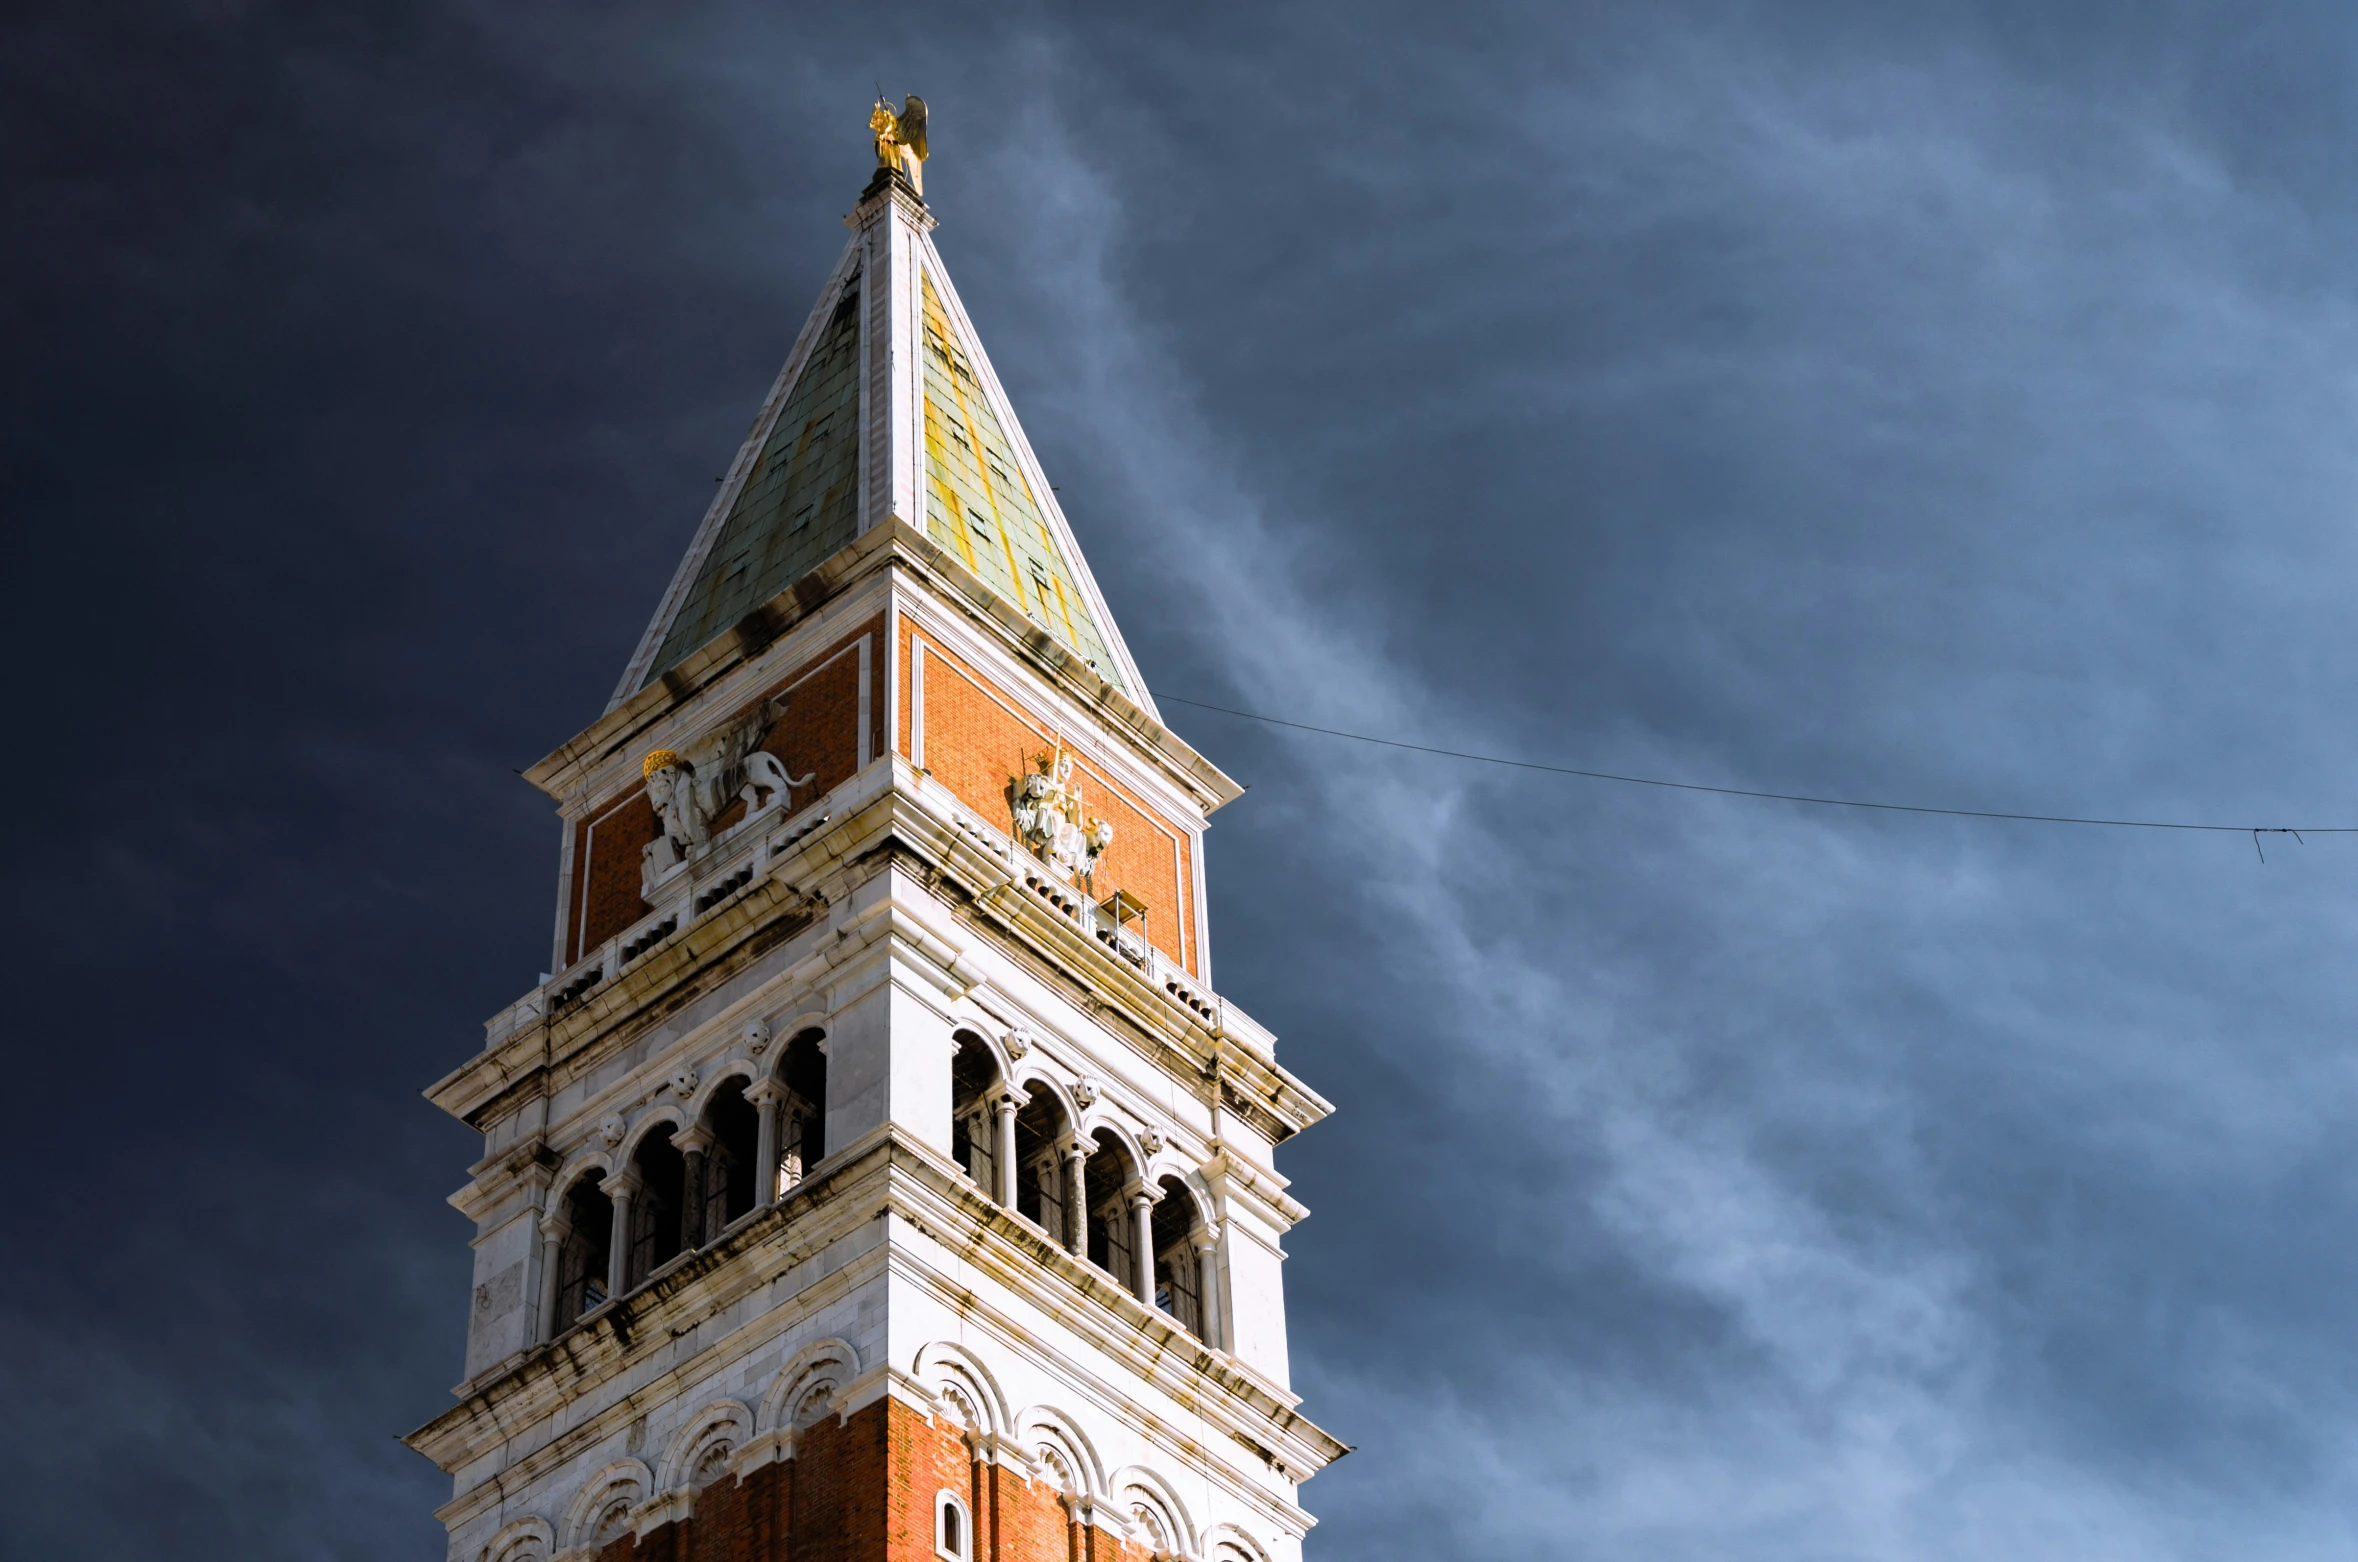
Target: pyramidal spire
x=887, y=407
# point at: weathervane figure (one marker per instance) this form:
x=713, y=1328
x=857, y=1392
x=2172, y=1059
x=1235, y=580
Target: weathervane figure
x=900, y=139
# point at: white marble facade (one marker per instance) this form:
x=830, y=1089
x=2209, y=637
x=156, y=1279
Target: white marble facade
x=888, y=1261
x=892, y=920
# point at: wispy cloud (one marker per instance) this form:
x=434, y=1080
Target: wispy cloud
x=1768, y=1124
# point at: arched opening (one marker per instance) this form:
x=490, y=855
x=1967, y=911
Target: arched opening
x=731, y=1158
x=656, y=1216
x=583, y=1259
x=1178, y=1281
x=1109, y=1177
x=950, y=1528
x=1041, y=1131
x=974, y=1082
x=802, y=1114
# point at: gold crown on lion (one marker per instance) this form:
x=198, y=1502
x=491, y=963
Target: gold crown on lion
x=657, y=760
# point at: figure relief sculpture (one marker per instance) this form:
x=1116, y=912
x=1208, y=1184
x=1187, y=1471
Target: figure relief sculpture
x=900, y=140
x=690, y=790
x=1052, y=818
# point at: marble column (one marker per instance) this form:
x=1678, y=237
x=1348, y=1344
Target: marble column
x=553, y=1232
x=620, y=1190
x=1003, y=1173
x=693, y=1146
x=1076, y=1201
x=766, y=1097
x=1142, y=1209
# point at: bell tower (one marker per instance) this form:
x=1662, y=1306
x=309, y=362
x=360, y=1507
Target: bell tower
x=880, y=1173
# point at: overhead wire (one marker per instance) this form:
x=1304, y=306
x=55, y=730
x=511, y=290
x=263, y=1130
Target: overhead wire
x=2254, y=831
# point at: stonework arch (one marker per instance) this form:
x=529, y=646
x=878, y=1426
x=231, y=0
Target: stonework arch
x=1191, y=1185
x=740, y=1071
x=819, y=1371
x=581, y=1165
x=1231, y=1544
x=1031, y=1078
x=1154, y=1508
x=783, y=1032
x=981, y=1036
x=525, y=1540
x=956, y=1375
x=617, y=1489
x=725, y=1423
x=659, y=1117
x=1103, y=1121
x=1057, y=1441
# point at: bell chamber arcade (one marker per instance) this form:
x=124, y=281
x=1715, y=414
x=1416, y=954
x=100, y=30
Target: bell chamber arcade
x=879, y=1173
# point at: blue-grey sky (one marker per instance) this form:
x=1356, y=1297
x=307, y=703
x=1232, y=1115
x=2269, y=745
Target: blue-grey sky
x=1943, y=403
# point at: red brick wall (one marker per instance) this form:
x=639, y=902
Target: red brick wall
x=864, y=1491
x=975, y=740
x=821, y=733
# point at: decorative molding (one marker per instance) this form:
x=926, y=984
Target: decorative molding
x=603, y=1509
x=826, y=1366
x=727, y=1423
x=525, y=1540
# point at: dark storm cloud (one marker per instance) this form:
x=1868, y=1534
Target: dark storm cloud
x=1949, y=405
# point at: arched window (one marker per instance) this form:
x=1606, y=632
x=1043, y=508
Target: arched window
x=974, y=1081
x=802, y=1115
x=656, y=1215
x=582, y=1259
x=953, y=1530
x=1177, y=1271
x=1041, y=1131
x=1108, y=1179
x=729, y=1169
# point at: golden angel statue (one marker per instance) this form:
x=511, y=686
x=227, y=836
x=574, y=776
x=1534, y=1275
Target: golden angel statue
x=900, y=139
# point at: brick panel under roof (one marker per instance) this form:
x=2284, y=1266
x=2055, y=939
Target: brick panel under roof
x=799, y=504
x=979, y=504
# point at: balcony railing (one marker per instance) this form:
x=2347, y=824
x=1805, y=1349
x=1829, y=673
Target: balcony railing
x=735, y=861
x=742, y=855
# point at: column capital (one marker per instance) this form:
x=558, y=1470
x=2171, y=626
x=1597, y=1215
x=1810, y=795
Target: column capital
x=763, y=1091
x=694, y=1141
x=622, y=1185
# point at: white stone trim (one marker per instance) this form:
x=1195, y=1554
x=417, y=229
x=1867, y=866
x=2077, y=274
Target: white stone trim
x=952, y=1374
x=525, y=1540
x=958, y=1548
x=1139, y=1487
x=697, y=1434
x=623, y=1478
x=830, y=1364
